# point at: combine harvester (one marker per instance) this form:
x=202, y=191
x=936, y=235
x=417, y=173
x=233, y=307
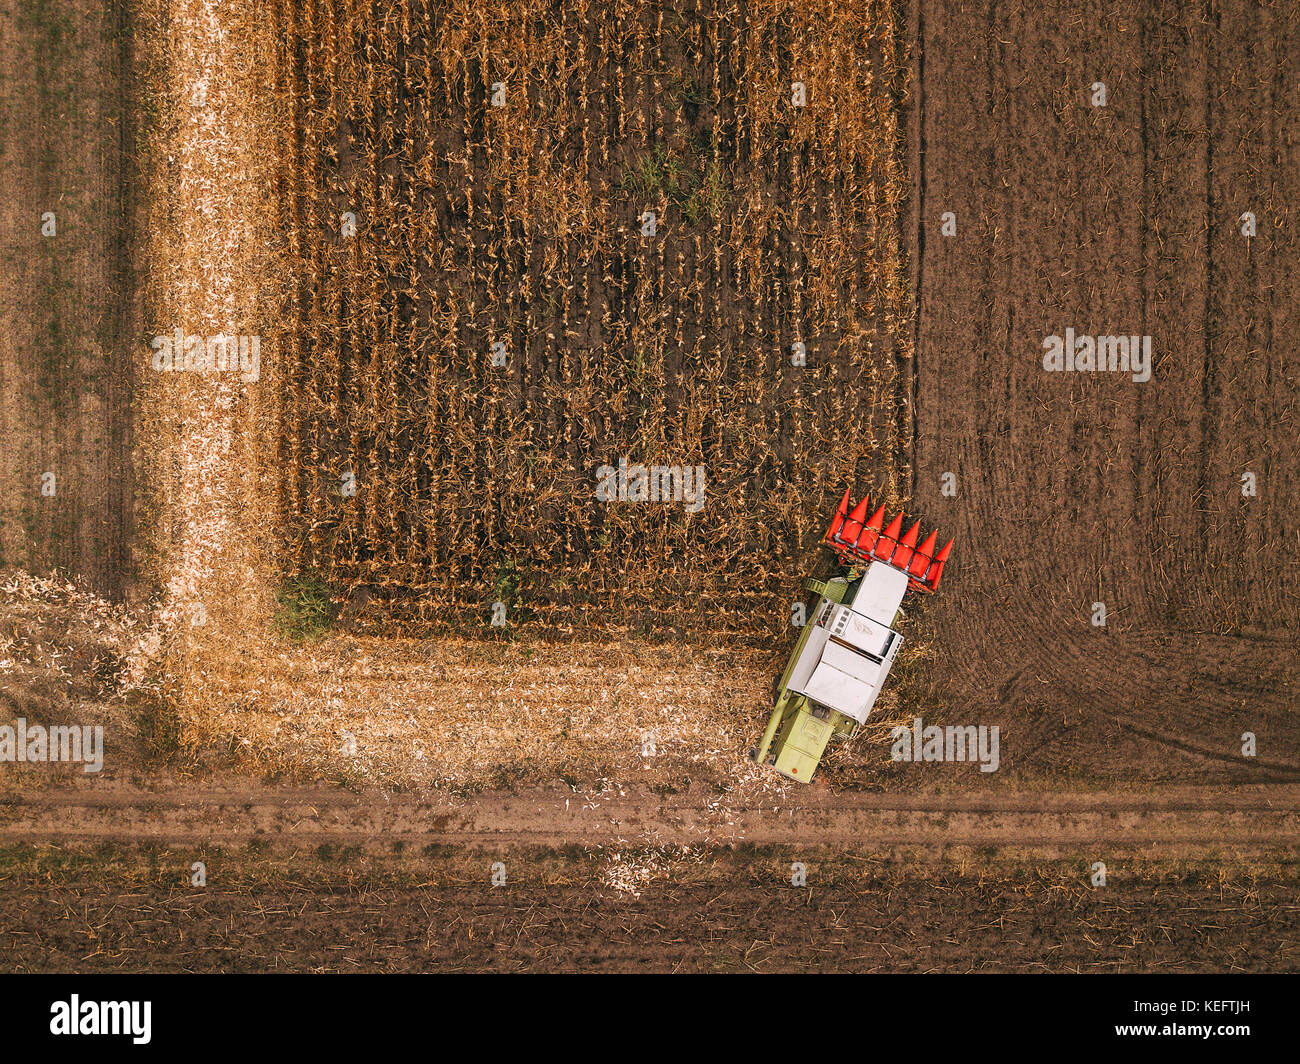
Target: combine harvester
x=843, y=655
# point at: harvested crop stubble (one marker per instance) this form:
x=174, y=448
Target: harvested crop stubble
x=464, y=713
x=205, y=466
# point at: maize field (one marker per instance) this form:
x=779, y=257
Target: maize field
x=480, y=319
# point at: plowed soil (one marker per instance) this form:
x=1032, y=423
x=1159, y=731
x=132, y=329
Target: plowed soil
x=1076, y=488
x=65, y=373
x=333, y=910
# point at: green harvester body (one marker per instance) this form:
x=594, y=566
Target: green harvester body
x=799, y=730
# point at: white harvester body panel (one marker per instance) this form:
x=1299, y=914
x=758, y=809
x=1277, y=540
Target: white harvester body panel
x=847, y=656
x=880, y=593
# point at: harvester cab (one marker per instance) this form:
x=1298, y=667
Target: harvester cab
x=843, y=655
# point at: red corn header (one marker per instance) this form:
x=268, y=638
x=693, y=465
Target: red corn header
x=857, y=538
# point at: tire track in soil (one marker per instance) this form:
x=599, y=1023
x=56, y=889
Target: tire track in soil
x=912, y=147
x=1283, y=771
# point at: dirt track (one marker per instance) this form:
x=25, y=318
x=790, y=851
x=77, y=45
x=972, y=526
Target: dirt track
x=1198, y=879
x=1178, y=822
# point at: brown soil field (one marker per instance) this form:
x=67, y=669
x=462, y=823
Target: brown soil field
x=350, y=772
x=336, y=910
x=65, y=292
x=1076, y=488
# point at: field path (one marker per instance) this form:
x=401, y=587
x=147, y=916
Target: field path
x=1178, y=822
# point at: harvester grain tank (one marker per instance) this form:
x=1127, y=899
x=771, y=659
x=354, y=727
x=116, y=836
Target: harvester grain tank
x=844, y=654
